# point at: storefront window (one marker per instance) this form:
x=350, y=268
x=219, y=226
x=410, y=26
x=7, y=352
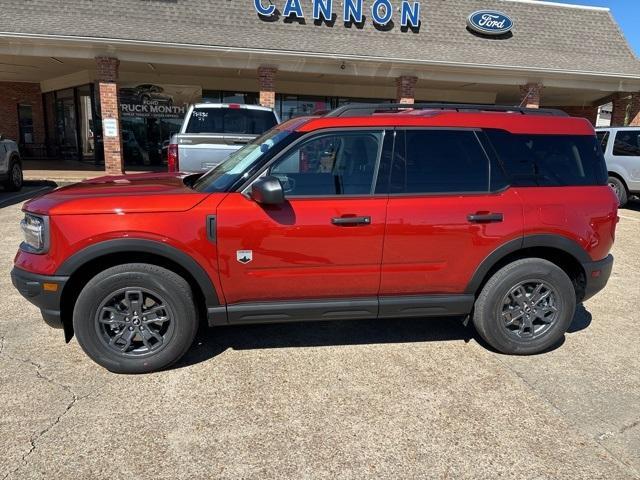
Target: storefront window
x=25, y=123
x=290, y=106
x=150, y=114
x=243, y=98
x=66, y=127
x=87, y=129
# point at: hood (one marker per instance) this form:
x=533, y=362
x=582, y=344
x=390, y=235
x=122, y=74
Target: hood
x=139, y=193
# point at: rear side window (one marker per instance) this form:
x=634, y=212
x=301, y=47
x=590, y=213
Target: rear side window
x=627, y=143
x=549, y=160
x=231, y=121
x=438, y=162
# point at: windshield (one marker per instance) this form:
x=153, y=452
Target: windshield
x=222, y=176
x=231, y=120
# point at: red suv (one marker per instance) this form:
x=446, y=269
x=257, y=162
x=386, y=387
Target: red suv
x=500, y=214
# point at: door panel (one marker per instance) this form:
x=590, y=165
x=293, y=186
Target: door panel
x=297, y=251
x=432, y=247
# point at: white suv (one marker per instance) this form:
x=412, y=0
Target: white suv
x=621, y=147
x=10, y=165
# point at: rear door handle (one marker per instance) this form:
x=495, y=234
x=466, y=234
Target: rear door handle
x=485, y=217
x=350, y=221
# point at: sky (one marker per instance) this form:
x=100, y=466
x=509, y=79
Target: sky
x=626, y=13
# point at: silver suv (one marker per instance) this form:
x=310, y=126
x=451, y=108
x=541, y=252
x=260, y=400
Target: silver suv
x=621, y=147
x=10, y=165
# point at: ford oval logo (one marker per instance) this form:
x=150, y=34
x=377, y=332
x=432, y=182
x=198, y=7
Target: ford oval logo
x=490, y=22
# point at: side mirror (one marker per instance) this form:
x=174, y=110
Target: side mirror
x=268, y=191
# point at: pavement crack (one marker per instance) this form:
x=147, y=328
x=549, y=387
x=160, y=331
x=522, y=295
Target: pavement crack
x=630, y=426
x=33, y=441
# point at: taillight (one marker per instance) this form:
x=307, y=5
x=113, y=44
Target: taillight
x=172, y=157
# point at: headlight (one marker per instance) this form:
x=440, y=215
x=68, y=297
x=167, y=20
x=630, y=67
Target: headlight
x=36, y=233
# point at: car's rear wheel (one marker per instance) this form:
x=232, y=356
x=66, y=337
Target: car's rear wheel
x=619, y=189
x=15, y=178
x=135, y=318
x=526, y=307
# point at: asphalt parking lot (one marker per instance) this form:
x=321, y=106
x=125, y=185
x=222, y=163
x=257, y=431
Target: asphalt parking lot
x=362, y=399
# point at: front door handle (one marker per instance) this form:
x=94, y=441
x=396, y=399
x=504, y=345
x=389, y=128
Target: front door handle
x=350, y=221
x=485, y=217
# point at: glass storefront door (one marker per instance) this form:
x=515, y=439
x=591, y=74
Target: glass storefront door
x=66, y=127
x=87, y=129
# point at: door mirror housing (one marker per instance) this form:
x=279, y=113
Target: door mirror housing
x=268, y=191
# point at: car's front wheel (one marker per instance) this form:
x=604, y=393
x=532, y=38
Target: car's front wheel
x=526, y=307
x=135, y=318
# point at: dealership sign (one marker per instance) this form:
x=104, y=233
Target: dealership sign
x=157, y=101
x=382, y=11
x=490, y=22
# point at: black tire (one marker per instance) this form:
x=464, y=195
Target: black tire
x=499, y=304
x=14, y=181
x=158, y=343
x=619, y=189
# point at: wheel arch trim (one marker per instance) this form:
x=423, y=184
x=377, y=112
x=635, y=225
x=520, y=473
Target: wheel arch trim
x=557, y=242
x=133, y=245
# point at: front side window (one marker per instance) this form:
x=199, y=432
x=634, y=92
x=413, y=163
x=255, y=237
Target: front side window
x=627, y=143
x=549, y=160
x=341, y=163
x=438, y=162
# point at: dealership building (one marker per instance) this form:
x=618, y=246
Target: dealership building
x=109, y=81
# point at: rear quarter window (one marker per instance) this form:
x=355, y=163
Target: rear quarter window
x=549, y=160
x=231, y=121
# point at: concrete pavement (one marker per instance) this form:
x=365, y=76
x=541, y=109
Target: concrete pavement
x=362, y=399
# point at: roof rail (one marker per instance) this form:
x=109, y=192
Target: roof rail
x=364, y=110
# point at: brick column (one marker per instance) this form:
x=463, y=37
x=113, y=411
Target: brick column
x=267, y=77
x=531, y=95
x=406, y=89
x=107, y=76
x=626, y=110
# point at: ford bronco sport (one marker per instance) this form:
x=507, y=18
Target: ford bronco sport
x=500, y=215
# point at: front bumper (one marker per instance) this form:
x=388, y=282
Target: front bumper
x=598, y=274
x=44, y=291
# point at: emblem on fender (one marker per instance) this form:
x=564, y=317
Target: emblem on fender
x=244, y=256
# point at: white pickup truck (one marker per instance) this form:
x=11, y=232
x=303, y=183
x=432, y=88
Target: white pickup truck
x=211, y=132
x=10, y=165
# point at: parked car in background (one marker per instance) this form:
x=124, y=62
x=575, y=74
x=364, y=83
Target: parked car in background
x=500, y=216
x=10, y=165
x=213, y=131
x=621, y=147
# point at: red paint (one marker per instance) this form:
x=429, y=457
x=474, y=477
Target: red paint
x=414, y=244
x=431, y=247
x=297, y=252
